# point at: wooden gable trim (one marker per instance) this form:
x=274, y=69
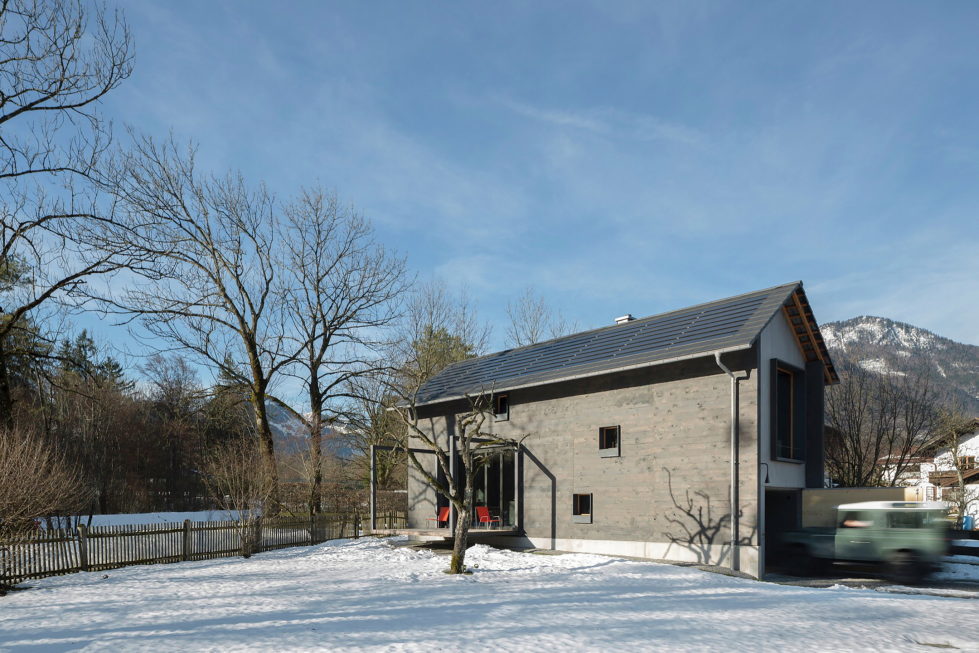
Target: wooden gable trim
x=803, y=325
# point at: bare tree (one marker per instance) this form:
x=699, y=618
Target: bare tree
x=35, y=481
x=372, y=421
x=878, y=424
x=472, y=445
x=57, y=61
x=212, y=281
x=236, y=473
x=441, y=330
x=532, y=320
x=342, y=291
x=953, y=428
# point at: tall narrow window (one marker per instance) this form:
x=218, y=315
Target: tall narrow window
x=501, y=407
x=581, y=512
x=788, y=408
x=609, y=442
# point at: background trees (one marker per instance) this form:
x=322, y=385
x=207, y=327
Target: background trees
x=213, y=285
x=878, y=424
x=532, y=320
x=57, y=61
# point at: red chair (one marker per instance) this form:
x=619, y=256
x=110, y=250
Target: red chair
x=443, y=516
x=483, y=516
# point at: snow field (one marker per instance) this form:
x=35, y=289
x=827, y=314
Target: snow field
x=371, y=595
x=162, y=517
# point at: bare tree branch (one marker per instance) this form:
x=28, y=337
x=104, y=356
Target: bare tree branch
x=343, y=290
x=532, y=321
x=57, y=61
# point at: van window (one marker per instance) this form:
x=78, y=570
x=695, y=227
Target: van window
x=854, y=520
x=906, y=519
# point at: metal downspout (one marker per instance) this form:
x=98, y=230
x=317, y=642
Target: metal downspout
x=735, y=453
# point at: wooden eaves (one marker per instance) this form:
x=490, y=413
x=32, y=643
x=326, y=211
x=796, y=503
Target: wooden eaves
x=811, y=344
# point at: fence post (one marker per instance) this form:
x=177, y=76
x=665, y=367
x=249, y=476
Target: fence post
x=356, y=526
x=312, y=527
x=186, y=541
x=83, y=547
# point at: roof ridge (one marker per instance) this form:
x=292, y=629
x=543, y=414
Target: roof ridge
x=634, y=323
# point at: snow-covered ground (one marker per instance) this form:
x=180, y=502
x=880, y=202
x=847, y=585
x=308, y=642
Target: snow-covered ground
x=161, y=517
x=368, y=594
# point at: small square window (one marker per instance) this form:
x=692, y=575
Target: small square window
x=581, y=512
x=609, y=442
x=501, y=407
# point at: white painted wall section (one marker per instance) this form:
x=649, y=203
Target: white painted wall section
x=776, y=341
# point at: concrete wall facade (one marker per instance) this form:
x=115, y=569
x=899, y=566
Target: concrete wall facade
x=667, y=495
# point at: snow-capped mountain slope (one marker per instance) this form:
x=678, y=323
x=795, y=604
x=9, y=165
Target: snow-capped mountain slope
x=290, y=434
x=888, y=347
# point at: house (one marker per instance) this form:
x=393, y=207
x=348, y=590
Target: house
x=639, y=437
x=935, y=477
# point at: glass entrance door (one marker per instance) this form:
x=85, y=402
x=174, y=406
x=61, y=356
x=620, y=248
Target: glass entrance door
x=495, y=487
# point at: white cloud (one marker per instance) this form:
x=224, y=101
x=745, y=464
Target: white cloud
x=609, y=122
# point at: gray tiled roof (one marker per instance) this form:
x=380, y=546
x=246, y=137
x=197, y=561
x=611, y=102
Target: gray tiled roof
x=725, y=325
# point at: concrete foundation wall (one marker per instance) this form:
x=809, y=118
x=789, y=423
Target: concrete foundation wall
x=719, y=554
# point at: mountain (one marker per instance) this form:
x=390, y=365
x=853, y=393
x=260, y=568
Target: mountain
x=289, y=434
x=888, y=347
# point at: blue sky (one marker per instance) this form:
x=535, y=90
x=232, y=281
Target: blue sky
x=619, y=157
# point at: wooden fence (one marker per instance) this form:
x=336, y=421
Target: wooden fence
x=54, y=552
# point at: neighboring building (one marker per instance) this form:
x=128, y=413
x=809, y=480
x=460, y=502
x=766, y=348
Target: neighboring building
x=627, y=431
x=934, y=477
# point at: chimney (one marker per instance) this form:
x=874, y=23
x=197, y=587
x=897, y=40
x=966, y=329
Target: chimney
x=625, y=318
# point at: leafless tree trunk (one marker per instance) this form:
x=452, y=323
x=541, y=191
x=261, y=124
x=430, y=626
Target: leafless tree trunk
x=214, y=284
x=471, y=446
x=343, y=290
x=57, y=61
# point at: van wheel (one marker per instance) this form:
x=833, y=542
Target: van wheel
x=904, y=567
